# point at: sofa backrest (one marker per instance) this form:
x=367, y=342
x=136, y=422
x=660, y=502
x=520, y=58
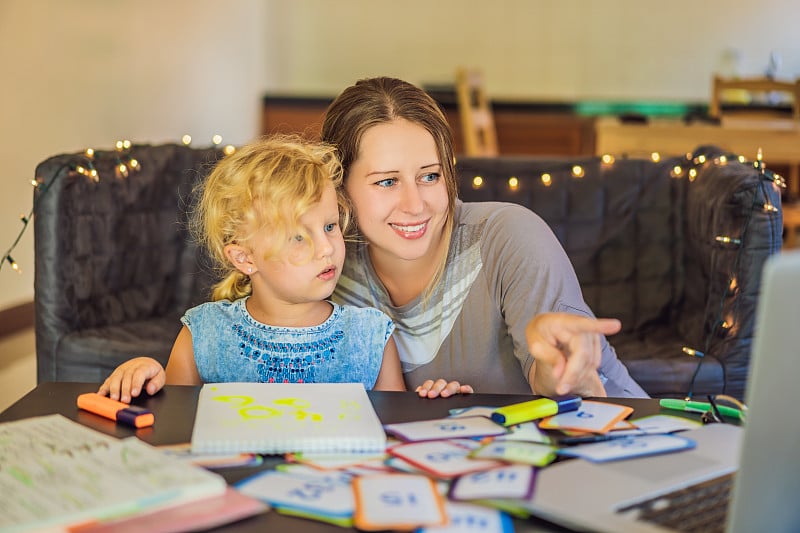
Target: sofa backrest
x=116, y=249
x=633, y=227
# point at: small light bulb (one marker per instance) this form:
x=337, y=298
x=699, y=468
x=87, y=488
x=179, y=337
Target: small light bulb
x=477, y=182
x=186, y=140
x=692, y=352
x=90, y=153
x=607, y=159
x=677, y=170
x=701, y=159
x=577, y=171
x=229, y=149
x=513, y=183
x=216, y=139
x=547, y=179
x=656, y=157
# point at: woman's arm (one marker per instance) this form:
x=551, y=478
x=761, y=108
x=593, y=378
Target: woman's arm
x=567, y=352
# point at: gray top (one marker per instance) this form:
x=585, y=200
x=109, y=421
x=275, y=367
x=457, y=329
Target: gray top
x=504, y=267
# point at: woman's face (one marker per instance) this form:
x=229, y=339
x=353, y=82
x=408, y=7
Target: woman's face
x=398, y=192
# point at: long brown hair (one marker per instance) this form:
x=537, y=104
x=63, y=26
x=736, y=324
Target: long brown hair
x=373, y=101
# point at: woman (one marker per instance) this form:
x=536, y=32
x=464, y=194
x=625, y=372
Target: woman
x=480, y=292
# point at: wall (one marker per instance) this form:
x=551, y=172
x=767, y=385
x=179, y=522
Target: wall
x=88, y=72
x=545, y=49
x=85, y=73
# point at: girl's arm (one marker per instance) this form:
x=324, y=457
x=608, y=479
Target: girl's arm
x=181, y=367
x=390, y=376
x=129, y=378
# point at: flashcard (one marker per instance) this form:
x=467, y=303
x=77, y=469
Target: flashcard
x=445, y=428
x=332, y=461
x=475, y=410
x=467, y=518
x=318, y=497
x=441, y=458
x=397, y=501
x=665, y=424
x=527, y=453
x=528, y=432
x=596, y=417
x=628, y=447
x=512, y=481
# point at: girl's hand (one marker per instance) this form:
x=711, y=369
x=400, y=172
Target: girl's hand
x=127, y=380
x=440, y=387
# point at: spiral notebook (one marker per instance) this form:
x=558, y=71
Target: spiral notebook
x=274, y=418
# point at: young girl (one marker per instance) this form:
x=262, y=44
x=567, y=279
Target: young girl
x=272, y=221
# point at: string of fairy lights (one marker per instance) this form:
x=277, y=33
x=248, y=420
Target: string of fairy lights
x=688, y=167
x=124, y=166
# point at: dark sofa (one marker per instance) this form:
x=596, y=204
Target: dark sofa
x=115, y=267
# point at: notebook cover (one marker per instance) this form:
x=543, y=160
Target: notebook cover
x=276, y=418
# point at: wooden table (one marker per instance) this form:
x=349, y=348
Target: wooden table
x=779, y=140
x=174, y=409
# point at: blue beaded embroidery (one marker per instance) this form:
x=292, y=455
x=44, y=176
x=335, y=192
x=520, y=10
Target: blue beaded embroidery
x=288, y=362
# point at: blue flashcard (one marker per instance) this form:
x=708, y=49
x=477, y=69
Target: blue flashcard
x=512, y=451
x=628, y=447
x=441, y=458
x=470, y=518
x=528, y=431
x=512, y=481
x=445, y=428
x=475, y=410
x=397, y=501
x=665, y=424
x=325, y=496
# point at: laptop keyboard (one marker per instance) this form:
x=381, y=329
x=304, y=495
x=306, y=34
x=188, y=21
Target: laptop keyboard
x=699, y=508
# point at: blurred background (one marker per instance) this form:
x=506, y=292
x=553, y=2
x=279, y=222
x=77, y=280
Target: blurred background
x=86, y=73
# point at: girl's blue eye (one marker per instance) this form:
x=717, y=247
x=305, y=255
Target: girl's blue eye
x=330, y=227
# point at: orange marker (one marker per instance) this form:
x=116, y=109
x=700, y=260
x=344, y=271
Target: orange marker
x=131, y=415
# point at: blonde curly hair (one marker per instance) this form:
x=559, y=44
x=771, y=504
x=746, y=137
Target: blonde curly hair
x=266, y=185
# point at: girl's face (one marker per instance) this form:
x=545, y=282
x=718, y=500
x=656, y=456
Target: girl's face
x=303, y=273
x=398, y=192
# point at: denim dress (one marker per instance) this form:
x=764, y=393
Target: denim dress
x=231, y=346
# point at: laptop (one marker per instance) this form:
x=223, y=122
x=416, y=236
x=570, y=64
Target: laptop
x=759, y=461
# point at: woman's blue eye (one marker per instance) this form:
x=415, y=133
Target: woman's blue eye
x=330, y=227
x=431, y=178
x=388, y=182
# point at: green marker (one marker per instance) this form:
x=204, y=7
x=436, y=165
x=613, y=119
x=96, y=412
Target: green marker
x=691, y=406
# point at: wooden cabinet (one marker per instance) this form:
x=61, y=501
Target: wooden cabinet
x=523, y=128
x=293, y=114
